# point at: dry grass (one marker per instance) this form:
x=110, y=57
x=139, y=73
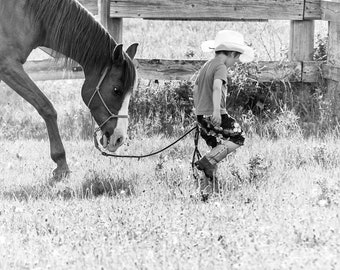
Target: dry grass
x=279, y=208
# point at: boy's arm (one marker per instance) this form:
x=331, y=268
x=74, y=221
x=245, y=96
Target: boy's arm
x=194, y=94
x=217, y=95
x=194, y=90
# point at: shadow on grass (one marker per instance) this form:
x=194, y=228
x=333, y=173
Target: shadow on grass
x=94, y=185
x=25, y=193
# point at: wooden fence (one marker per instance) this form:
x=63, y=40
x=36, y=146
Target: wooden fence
x=301, y=13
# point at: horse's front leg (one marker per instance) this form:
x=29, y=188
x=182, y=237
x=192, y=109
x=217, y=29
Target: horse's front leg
x=13, y=74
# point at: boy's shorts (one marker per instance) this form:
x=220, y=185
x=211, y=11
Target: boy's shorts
x=229, y=130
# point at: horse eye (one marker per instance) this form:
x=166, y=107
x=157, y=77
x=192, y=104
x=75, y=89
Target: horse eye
x=117, y=91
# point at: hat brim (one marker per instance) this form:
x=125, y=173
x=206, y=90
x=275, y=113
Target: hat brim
x=247, y=53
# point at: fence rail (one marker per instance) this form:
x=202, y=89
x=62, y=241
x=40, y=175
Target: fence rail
x=163, y=69
x=328, y=10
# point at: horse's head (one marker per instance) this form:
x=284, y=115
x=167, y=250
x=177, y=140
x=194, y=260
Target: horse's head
x=107, y=94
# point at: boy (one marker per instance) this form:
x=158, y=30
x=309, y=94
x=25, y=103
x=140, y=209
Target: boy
x=217, y=128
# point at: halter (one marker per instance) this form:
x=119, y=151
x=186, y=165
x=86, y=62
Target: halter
x=97, y=91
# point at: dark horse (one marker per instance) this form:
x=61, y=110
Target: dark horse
x=68, y=28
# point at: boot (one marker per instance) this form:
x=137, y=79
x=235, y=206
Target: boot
x=204, y=165
x=209, y=162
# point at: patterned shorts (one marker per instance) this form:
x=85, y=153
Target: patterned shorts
x=229, y=130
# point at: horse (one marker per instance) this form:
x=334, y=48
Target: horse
x=67, y=28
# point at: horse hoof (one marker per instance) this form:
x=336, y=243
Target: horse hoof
x=59, y=174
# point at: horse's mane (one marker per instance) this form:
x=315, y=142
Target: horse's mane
x=72, y=30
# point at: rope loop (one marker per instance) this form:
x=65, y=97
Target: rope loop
x=150, y=154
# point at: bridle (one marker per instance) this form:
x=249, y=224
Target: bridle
x=111, y=116
x=97, y=91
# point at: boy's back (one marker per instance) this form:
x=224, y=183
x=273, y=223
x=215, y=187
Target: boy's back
x=212, y=70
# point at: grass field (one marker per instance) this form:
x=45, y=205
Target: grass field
x=278, y=210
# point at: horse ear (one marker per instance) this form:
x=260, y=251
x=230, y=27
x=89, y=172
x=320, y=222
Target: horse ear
x=118, y=55
x=131, y=51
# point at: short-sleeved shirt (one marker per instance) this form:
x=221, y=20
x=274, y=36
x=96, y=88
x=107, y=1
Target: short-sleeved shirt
x=203, y=101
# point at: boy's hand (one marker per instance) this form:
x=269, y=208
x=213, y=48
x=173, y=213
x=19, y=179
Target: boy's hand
x=216, y=119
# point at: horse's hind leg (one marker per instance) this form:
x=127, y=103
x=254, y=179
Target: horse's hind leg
x=13, y=74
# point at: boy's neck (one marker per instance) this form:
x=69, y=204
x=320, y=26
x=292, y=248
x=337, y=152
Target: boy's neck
x=222, y=57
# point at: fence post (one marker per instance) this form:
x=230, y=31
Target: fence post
x=333, y=59
x=301, y=44
x=301, y=48
x=113, y=25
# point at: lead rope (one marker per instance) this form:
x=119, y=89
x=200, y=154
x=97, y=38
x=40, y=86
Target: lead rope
x=150, y=154
x=196, y=155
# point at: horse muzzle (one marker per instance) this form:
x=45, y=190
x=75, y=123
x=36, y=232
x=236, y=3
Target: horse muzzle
x=112, y=142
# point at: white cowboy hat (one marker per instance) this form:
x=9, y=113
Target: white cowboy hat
x=228, y=40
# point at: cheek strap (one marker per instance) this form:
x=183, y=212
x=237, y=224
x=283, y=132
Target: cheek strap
x=97, y=91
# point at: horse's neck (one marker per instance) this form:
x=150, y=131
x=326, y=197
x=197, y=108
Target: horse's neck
x=77, y=36
x=59, y=53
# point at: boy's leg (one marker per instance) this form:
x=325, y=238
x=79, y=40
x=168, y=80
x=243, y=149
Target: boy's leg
x=231, y=140
x=211, y=159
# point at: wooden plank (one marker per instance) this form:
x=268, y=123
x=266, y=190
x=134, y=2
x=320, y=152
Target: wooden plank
x=333, y=56
x=184, y=69
x=312, y=10
x=44, y=70
x=115, y=28
x=333, y=61
x=208, y=10
x=331, y=72
x=113, y=25
x=104, y=12
x=330, y=10
x=168, y=70
x=301, y=44
x=90, y=5
x=281, y=71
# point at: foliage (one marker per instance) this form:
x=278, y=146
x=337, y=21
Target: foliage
x=161, y=107
x=320, y=50
x=261, y=108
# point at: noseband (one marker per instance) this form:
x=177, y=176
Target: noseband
x=97, y=91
